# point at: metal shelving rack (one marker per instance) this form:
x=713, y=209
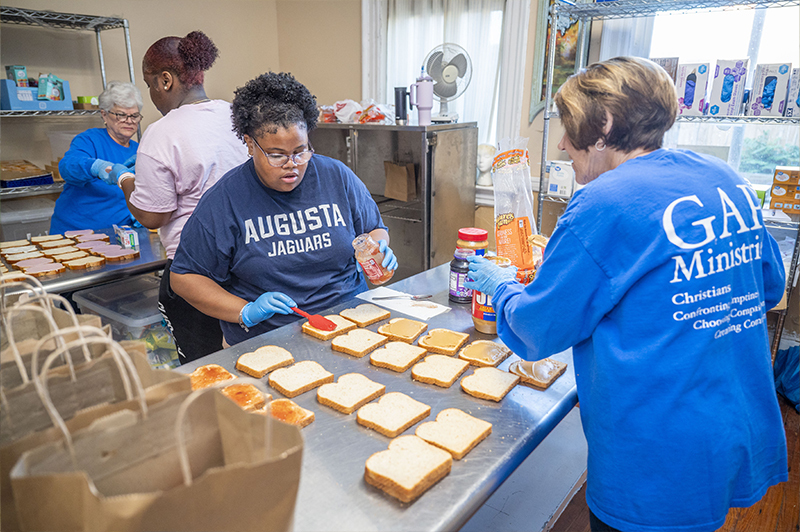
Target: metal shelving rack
x=618, y=9
x=62, y=21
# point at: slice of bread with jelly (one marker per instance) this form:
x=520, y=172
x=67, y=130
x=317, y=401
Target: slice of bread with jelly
x=342, y=326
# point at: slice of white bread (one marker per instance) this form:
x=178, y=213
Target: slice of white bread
x=59, y=251
x=365, y=314
x=484, y=353
x=440, y=370
x=44, y=270
x=402, y=329
x=352, y=391
x=443, y=341
x=13, y=259
x=246, y=396
x=209, y=374
x=455, y=431
x=77, y=233
x=540, y=374
x=407, y=468
x=489, y=383
x=50, y=244
x=85, y=263
x=358, y=342
x=299, y=378
x=71, y=256
x=397, y=356
x=342, y=326
x=18, y=249
x=263, y=360
x=16, y=243
x=392, y=414
x=289, y=412
x=45, y=238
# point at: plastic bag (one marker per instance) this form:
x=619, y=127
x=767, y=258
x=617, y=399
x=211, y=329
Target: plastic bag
x=515, y=225
x=375, y=112
x=347, y=111
x=327, y=114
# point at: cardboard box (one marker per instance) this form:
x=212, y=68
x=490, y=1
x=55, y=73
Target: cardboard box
x=786, y=175
x=561, y=176
x=79, y=105
x=691, y=83
x=18, y=73
x=793, y=95
x=670, y=64
x=727, y=87
x=13, y=98
x=770, y=84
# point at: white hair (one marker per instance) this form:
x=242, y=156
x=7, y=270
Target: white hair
x=120, y=93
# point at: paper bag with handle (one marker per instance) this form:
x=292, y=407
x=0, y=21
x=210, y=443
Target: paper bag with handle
x=26, y=424
x=515, y=224
x=192, y=462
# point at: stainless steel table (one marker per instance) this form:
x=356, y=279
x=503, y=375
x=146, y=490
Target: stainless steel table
x=333, y=494
x=152, y=257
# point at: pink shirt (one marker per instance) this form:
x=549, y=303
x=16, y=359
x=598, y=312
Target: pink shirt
x=180, y=157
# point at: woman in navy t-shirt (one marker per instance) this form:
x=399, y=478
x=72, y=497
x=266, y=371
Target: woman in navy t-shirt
x=277, y=231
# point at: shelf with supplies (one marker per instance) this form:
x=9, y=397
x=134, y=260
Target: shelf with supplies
x=35, y=190
x=585, y=12
x=75, y=112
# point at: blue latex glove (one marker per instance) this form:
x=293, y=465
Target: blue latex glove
x=112, y=177
x=485, y=276
x=389, y=260
x=130, y=162
x=99, y=167
x=267, y=305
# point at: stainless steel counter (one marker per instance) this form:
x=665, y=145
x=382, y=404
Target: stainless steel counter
x=333, y=494
x=152, y=257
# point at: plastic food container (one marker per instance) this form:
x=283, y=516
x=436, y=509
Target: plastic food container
x=473, y=238
x=25, y=217
x=131, y=308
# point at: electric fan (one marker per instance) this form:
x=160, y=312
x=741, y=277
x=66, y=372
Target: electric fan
x=450, y=68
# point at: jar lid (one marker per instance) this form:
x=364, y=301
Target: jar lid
x=473, y=234
x=461, y=253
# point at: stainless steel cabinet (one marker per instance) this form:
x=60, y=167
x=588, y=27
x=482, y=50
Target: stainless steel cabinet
x=423, y=231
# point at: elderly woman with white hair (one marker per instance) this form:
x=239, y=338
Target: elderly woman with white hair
x=91, y=198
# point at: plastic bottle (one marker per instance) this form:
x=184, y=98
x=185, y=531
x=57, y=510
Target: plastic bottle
x=473, y=238
x=459, y=269
x=370, y=257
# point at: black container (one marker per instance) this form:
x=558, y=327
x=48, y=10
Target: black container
x=459, y=269
x=401, y=105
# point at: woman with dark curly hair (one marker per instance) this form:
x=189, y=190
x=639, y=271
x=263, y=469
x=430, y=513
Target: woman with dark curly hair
x=277, y=231
x=180, y=157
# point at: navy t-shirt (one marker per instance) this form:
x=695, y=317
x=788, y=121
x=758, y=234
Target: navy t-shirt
x=251, y=239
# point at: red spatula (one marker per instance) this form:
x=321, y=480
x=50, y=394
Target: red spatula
x=316, y=321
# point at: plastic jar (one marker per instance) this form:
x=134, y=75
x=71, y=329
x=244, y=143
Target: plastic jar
x=473, y=238
x=459, y=269
x=369, y=256
x=483, y=314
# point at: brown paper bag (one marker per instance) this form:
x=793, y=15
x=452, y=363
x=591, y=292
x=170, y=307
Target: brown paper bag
x=127, y=474
x=98, y=390
x=401, y=182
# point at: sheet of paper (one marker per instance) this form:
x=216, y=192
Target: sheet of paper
x=422, y=310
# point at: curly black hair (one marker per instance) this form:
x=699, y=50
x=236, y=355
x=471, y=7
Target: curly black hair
x=270, y=101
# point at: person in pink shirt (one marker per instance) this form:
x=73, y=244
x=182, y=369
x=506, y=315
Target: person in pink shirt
x=180, y=157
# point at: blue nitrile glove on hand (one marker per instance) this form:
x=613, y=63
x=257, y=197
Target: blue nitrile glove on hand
x=112, y=177
x=267, y=305
x=389, y=260
x=130, y=162
x=485, y=276
x=99, y=166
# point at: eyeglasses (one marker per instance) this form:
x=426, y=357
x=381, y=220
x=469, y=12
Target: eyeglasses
x=277, y=160
x=122, y=117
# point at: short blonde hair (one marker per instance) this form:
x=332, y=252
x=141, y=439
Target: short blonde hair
x=120, y=93
x=639, y=95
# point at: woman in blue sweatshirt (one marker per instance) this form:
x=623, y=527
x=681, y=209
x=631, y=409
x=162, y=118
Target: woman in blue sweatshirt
x=659, y=275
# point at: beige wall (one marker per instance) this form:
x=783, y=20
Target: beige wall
x=319, y=41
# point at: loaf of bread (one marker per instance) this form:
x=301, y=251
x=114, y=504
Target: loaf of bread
x=443, y=341
x=408, y=468
x=454, y=431
x=342, y=326
x=392, y=414
x=299, y=378
x=440, y=370
x=50, y=244
x=540, y=374
x=207, y=375
x=484, y=353
x=358, y=342
x=289, y=412
x=402, y=329
x=246, y=396
x=489, y=383
x=86, y=263
x=263, y=360
x=365, y=314
x=352, y=391
x=397, y=356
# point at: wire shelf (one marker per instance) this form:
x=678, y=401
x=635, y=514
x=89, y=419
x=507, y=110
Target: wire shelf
x=639, y=8
x=52, y=19
x=6, y=193
x=75, y=112
x=400, y=210
x=776, y=120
